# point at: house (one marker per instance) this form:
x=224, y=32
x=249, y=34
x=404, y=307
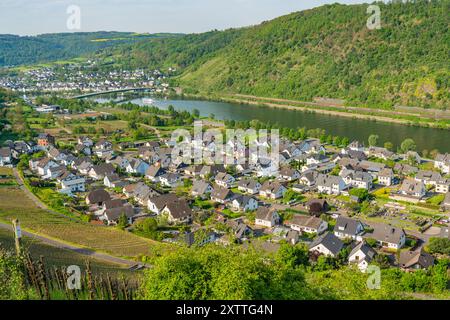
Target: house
x=330, y=184
x=97, y=197
x=156, y=204
x=5, y=156
x=317, y=159
x=171, y=180
x=112, y=216
x=267, y=217
x=33, y=163
x=154, y=172
x=442, y=162
x=201, y=188
x=289, y=174
x=308, y=224
x=209, y=171
x=103, y=149
x=309, y=178
x=356, y=146
x=405, y=169
x=55, y=154
x=178, y=211
x=415, y=260
x=71, y=183
x=428, y=177
x=388, y=236
x=272, y=190
x=362, y=255
x=244, y=203
x=113, y=181
x=221, y=195
x=358, y=179
x=317, y=206
x=381, y=153
x=83, y=149
x=137, y=166
x=443, y=186
x=85, y=141
x=193, y=170
x=120, y=162
x=250, y=186
x=98, y=172
x=143, y=192
x=240, y=230
x=54, y=171
x=413, y=188
x=43, y=166
x=386, y=177
x=327, y=244
x=224, y=180
x=292, y=237
x=44, y=140
x=347, y=228
x=446, y=203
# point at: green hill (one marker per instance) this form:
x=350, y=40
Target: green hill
x=17, y=50
x=322, y=52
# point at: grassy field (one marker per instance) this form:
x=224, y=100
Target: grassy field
x=15, y=204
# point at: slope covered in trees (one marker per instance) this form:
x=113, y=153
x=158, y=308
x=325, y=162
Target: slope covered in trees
x=322, y=52
x=17, y=50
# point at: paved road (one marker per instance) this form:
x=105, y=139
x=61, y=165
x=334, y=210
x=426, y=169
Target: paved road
x=60, y=244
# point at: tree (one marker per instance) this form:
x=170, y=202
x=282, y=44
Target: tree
x=361, y=193
x=123, y=221
x=217, y=273
x=389, y=145
x=196, y=113
x=293, y=256
x=439, y=245
x=408, y=145
x=373, y=140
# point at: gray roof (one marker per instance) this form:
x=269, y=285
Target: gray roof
x=409, y=259
x=347, y=226
x=99, y=195
x=265, y=213
x=179, y=209
x=200, y=186
x=366, y=249
x=329, y=241
x=387, y=233
x=161, y=201
x=114, y=214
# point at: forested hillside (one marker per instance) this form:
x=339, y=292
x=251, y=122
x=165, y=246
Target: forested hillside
x=323, y=52
x=16, y=50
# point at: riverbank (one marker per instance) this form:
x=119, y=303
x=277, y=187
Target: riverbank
x=397, y=117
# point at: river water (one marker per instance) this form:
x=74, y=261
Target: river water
x=425, y=138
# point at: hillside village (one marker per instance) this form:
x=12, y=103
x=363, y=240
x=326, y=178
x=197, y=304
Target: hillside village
x=360, y=200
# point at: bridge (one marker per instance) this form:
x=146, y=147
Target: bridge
x=93, y=94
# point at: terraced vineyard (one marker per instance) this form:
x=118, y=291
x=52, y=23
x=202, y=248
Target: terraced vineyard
x=15, y=204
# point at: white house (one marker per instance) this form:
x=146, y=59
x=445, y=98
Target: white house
x=5, y=156
x=244, y=203
x=224, y=180
x=308, y=224
x=267, y=217
x=386, y=177
x=272, y=190
x=330, y=184
x=327, y=244
x=71, y=183
x=388, y=236
x=137, y=166
x=249, y=186
x=362, y=255
x=347, y=228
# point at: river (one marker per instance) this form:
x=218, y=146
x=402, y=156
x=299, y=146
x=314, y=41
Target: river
x=425, y=138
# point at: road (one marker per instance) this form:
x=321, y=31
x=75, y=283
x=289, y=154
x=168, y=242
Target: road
x=61, y=244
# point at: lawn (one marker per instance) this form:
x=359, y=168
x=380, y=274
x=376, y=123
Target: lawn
x=15, y=204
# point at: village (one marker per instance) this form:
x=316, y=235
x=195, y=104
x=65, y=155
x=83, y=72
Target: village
x=83, y=77
x=372, y=203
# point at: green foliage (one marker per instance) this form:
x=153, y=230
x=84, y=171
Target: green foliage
x=12, y=278
x=213, y=272
x=293, y=256
x=324, y=52
x=439, y=245
x=373, y=140
x=361, y=193
x=16, y=50
x=408, y=145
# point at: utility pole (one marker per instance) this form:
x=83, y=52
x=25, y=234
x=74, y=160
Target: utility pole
x=18, y=235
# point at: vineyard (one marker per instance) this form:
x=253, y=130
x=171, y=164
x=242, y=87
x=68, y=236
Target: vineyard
x=15, y=204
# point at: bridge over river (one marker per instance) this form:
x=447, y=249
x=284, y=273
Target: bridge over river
x=93, y=94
